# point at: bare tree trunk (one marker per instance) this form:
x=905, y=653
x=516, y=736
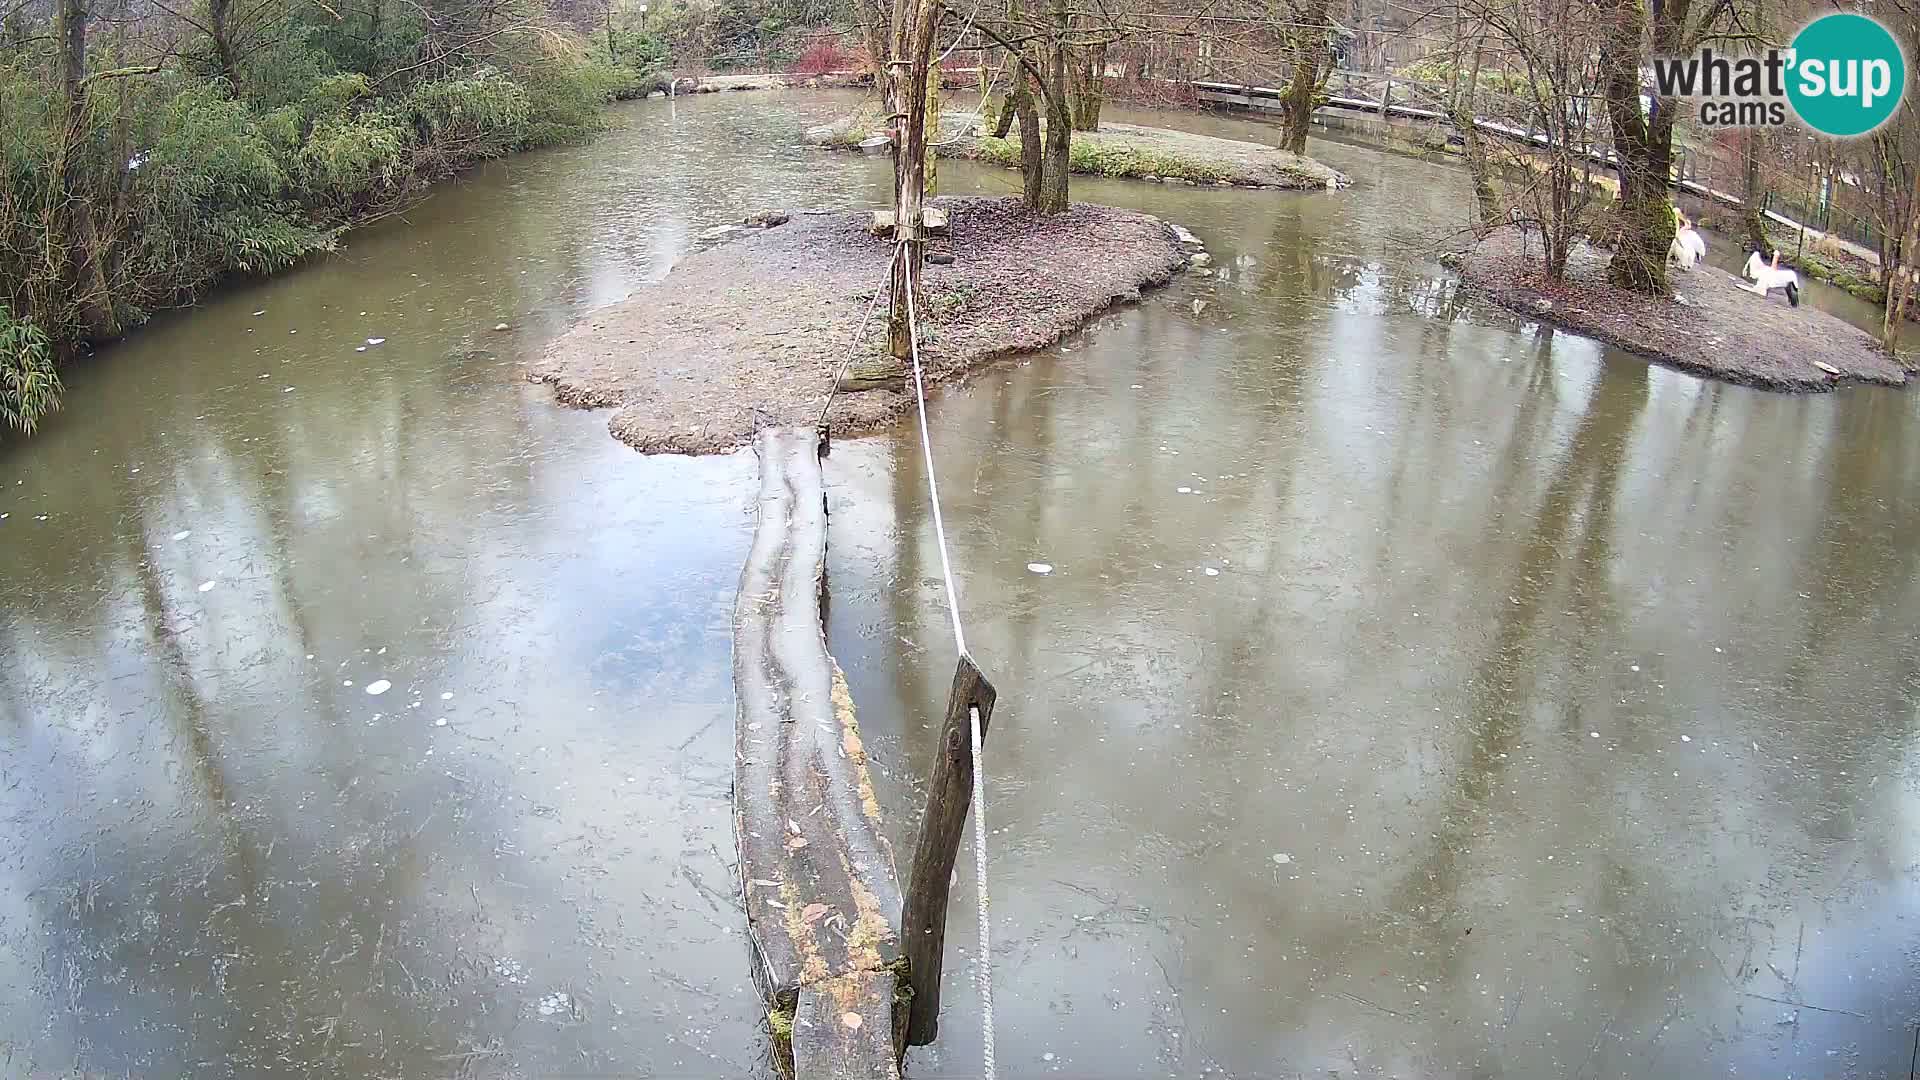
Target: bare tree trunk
x=930, y=132
x=999, y=108
x=1754, y=195
x=1033, y=164
x=220, y=27
x=1896, y=298
x=110, y=262
x=912, y=58
x=1486, y=200
x=61, y=247
x=70, y=34
x=1644, y=147
x=899, y=16
x=1090, y=87
x=1077, y=76
x=1059, y=152
x=1309, y=54
x=1899, y=283
x=1008, y=104
x=1558, y=230
x=1003, y=107
x=876, y=28
x=1646, y=217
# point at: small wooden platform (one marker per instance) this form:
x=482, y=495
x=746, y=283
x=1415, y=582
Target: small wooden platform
x=933, y=219
x=822, y=898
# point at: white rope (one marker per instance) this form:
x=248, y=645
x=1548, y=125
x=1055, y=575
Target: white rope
x=859, y=335
x=926, y=448
x=980, y=883
x=979, y=111
x=962, y=35
x=984, y=968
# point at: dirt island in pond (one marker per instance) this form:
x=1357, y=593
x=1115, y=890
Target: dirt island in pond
x=1711, y=326
x=753, y=332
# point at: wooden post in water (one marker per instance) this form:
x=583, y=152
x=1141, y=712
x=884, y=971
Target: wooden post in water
x=923, y=922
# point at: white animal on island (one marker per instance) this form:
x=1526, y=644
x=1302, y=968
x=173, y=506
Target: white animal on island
x=1767, y=276
x=1688, y=247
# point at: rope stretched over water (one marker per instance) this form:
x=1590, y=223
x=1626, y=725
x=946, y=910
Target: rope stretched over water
x=986, y=96
x=859, y=335
x=926, y=449
x=962, y=35
x=984, y=968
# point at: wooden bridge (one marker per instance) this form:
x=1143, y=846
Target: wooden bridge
x=846, y=990
x=822, y=898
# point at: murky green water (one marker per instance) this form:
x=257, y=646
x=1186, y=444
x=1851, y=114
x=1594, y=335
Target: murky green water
x=1547, y=714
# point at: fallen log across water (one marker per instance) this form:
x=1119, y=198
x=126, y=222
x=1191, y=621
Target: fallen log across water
x=822, y=899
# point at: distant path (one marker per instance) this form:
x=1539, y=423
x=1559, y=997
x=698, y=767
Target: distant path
x=1385, y=96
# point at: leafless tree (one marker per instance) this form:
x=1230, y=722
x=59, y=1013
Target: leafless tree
x=1887, y=163
x=1643, y=137
x=1310, y=64
x=1545, y=55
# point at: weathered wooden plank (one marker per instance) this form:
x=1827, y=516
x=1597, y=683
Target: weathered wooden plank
x=844, y=1028
x=821, y=893
x=942, y=824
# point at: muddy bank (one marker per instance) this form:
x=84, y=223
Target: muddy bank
x=1122, y=152
x=1711, y=327
x=752, y=332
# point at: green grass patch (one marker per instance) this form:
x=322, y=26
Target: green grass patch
x=1095, y=157
x=780, y=1023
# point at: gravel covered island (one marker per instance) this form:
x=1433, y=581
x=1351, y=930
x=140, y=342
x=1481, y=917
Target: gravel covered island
x=752, y=332
x=1711, y=326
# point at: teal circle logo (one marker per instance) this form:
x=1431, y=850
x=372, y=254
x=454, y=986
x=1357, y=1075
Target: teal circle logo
x=1848, y=75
